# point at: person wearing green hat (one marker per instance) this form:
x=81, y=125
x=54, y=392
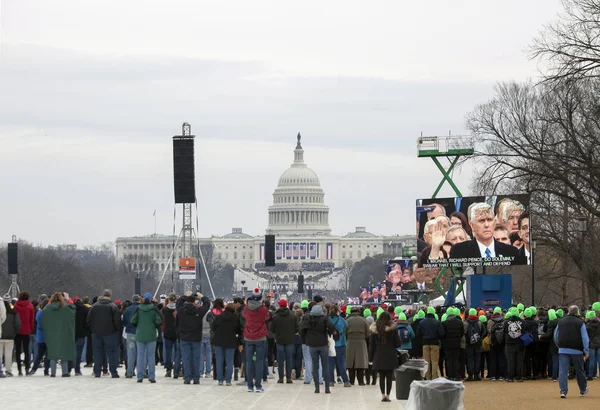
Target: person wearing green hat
x=304, y=305
x=520, y=307
x=531, y=327
x=560, y=313
x=379, y=312
x=454, y=331
x=475, y=332
x=397, y=310
x=405, y=331
x=514, y=348
x=431, y=332
x=596, y=307
x=573, y=349
x=367, y=312
x=548, y=337
x=357, y=352
x=593, y=329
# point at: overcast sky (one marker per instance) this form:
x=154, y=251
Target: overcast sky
x=91, y=93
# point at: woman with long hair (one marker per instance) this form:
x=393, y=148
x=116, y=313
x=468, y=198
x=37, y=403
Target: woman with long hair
x=382, y=352
x=58, y=323
x=315, y=332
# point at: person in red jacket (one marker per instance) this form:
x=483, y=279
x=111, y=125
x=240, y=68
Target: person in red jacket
x=26, y=312
x=254, y=320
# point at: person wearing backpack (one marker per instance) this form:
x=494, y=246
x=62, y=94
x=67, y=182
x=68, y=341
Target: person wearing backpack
x=339, y=336
x=541, y=346
x=514, y=349
x=405, y=332
x=475, y=331
x=530, y=327
x=454, y=332
x=548, y=337
x=497, y=358
x=146, y=319
x=485, y=349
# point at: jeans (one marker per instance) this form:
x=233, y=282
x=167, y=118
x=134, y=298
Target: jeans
x=105, y=345
x=41, y=352
x=594, y=362
x=191, y=360
x=79, y=344
x=565, y=361
x=145, y=356
x=339, y=362
x=473, y=360
x=252, y=347
x=178, y=358
x=63, y=364
x=431, y=353
x=514, y=360
x=321, y=353
x=224, y=358
x=297, y=359
x=284, y=354
x=33, y=345
x=131, y=347
x=308, y=376
x=170, y=349
x=205, y=356
x=555, y=366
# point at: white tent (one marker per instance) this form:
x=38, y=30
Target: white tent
x=440, y=301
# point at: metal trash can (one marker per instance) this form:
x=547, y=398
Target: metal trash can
x=436, y=394
x=410, y=371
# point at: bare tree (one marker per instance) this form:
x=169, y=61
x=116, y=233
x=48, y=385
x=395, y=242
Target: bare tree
x=570, y=46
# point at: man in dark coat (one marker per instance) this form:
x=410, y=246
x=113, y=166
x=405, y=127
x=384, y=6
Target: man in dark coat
x=81, y=332
x=284, y=325
x=431, y=331
x=104, y=321
x=454, y=329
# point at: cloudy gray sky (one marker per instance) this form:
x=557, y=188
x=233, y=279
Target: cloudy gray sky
x=91, y=93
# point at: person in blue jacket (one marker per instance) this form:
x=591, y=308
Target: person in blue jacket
x=405, y=331
x=339, y=361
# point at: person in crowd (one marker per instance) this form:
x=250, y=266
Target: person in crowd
x=41, y=341
x=146, y=319
x=11, y=325
x=269, y=361
x=225, y=329
x=541, y=346
x=370, y=374
x=553, y=348
x=130, y=331
x=573, y=350
x=88, y=350
x=188, y=322
x=81, y=332
x=593, y=330
x=453, y=333
x=58, y=323
x=27, y=314
x=170, y=334
x=531, y=327
x=382, y=352
x=339, y=336
x=485, y=347
x=206, y=357
x=417, y=343
x=514, y=348
x=475, y=331
x=357, y=352
x=297, y=356
x=431, y=332
x=284, y=326
x=255, y=316
x=497, y=362
x=315, y=331
x=405, y=331
x=104, y=321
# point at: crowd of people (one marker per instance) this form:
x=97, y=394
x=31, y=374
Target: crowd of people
x=318, y=342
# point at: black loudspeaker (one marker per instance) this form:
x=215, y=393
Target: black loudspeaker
x=309, y=294
x=13, y=258
x=300, y=283
x=184, y=171
x=138, y=286
x=269, y=250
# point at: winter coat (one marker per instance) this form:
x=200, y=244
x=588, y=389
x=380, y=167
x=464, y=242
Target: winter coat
x=168, y=327
x=549, y=336
x=455, y=330
x=104, y=318
x=417, y=342
x=81, y=328
x=357, y=333
x=384, y=356
x=39, y=332
x=12, y=324
x=406, y=344
x=207, y=321
x=255, y=318
x=531, y=326
x=2, y=316
x=146, y=319
x=340, y=325
x=225, y=328
x=284, y=326
x=188, y=320
x=496, y=318
x=513, y=330
x=127, y=315
x=593, y=330
x=59, y=331
x=315, y=330
x=474, y=320
x=25, y=310
x=431, y=330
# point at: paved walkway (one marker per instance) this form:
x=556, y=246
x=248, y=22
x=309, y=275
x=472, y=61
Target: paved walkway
x=38, y=391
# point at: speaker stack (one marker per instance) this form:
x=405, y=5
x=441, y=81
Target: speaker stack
x=269, y=250
x=13, y=258
x=183, y=167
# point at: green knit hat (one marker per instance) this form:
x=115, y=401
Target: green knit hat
x=455, y=311
x=498, y=310
x=304, y=304
x=552, y=314
x=482, y=318
x=431, y=310
x=348, y=309
x=379, y=312
x=472, y=312
x=528, y=312
x=596, y=306
x=401, y=316
x=508, y=314
x=514, y=311
x=398, y=310
x=436, y=316
x=421, y=314
x=560, y=313
x=590, y=314
x=521, y=307
x=444, y=317
x=533, y=310
x=367, y=312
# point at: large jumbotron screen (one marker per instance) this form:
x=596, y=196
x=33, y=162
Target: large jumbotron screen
x=473, y=231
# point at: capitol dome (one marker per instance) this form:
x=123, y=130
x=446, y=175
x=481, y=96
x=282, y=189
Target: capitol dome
x=298, y=201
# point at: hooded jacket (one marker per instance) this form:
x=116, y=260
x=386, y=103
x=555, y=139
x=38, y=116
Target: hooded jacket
x=406, y=344
x=81, y=312
x=314, y=330
x=430, y=330
x=225, y=327
x=168, y=327
x=59, y=331
x=474, y=321
x=495, y=319
x=127, y=315
x=207, y=321
x=146, y=319
x=593, y=330
x=284, y=326
x=255, y=318
x=25, y=310
x=513, y=330
x=454, y=332
x=104, y=318
x=12, y=324
x=189, y=320
x=382, y=354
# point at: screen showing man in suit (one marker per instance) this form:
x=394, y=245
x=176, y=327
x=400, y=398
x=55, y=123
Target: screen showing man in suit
x=485, y=222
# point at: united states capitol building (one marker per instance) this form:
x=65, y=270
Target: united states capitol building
x=299, y=219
